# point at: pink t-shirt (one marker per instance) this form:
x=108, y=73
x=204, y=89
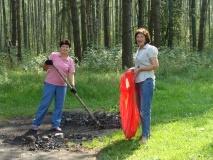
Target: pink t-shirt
x=64, y=66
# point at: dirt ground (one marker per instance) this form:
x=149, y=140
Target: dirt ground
x=16, y=142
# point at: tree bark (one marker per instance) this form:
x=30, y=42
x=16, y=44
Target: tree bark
x=58, y=28
x=151, y=14
x=170, y=25
x=76, y=32
x=37, y=23
x=83, y=27
x=89, y=21
x=19, y=30
x=127, y=59
x=6, y=38
x=24, y=24
x=203, y=14
x=141, y=12
x=106, y=24
x=14, y=23
x=157, y=37
x=45, y=27
x=94, y=22
x=117, y=22
x=98, y=21
x=52, y=23
x=192, y=13
x=1, y=26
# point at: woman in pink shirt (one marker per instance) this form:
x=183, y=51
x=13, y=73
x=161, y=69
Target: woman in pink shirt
x=55, y=86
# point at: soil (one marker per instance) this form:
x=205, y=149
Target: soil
x=18, y=141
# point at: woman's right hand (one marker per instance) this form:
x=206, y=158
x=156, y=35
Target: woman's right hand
x=131, y=69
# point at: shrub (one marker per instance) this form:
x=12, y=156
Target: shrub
x=180, y=60
x=34, y=64
x=98, y=58
x=4, y=79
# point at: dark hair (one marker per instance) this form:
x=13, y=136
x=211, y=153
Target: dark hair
x=66, y=42
x=145, y=33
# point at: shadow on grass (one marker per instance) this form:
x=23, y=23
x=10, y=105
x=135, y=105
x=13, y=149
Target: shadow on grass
x=207, y=151
x=124, y=149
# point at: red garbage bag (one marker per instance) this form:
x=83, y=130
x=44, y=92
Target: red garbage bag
x=129, y=113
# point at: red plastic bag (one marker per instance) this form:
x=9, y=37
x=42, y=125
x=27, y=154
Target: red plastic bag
x=129, y=113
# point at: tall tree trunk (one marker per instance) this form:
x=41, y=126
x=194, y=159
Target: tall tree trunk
x=37, y=23
x=7, y=42
x=18, y=29
x=40, y=25
x=117, y=22
x=28, y=25
x=69, y=23
x=62, y=30
x=89, y=21
x=157, y=37
x=33, y=28
x=106, y=24
x=14, y=23
x=45, y=27
x=76, y=32
x=193, y=23
x=52, y=22
x=209, y=22
x=98, y=21
x=94, y=22
x=141, y=12
x=83, y=26
x=6, y=38
x=170, y=26
x=127, y=60
x=120, y=20
x=59, y=28
x=203, y=14
x=1, y=26
x=24, y=24
x=151, y=14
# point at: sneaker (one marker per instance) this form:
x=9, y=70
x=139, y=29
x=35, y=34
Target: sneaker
x=56, y=128
x=144, y=140
x=34, y=128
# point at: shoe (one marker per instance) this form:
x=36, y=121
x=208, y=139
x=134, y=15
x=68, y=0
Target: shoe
x=144, y=140
x=56, y=128
x=140, y=136
x=34, y=128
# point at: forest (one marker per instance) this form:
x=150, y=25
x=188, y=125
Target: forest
x=35, y=27
x=103, y=46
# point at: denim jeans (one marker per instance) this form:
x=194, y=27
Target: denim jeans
x=49, y=92
x=144, y=93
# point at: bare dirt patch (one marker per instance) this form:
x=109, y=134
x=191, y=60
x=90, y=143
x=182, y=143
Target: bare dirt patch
x=18, y=141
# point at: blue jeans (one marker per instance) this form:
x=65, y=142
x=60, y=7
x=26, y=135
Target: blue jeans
x=49, y=92
x=144, y=93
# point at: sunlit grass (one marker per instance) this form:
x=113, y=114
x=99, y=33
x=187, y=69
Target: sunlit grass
x=182, y=118
x=187, y=138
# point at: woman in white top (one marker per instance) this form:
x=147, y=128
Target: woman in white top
x=146, y=62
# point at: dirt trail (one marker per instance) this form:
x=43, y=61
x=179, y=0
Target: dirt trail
x=12, y=133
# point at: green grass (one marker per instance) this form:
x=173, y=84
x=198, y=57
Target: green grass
x=182, y=113
x=21, y=93
x=182, y=124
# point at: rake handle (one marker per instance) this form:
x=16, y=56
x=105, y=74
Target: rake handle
x=76, y=95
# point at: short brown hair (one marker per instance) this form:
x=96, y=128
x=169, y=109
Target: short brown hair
x=66, y=42
x=145, y=33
